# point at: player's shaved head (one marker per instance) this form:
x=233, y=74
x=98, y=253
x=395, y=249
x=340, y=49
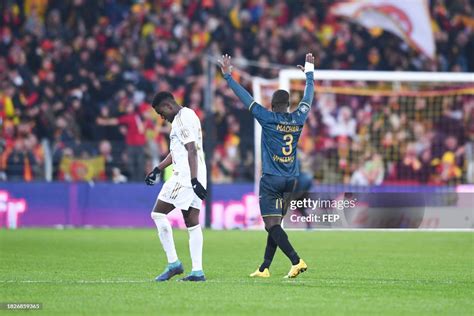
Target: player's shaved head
x=165, y=105
x=160, y=97
x=280, y=101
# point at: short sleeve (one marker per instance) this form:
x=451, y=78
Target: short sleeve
x=185, y=125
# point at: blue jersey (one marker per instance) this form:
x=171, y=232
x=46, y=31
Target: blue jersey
x=280, y=131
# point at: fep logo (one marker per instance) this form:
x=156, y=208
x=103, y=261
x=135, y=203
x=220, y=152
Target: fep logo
x=10, y=209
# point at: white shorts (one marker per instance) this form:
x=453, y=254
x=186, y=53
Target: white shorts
x=182, y=197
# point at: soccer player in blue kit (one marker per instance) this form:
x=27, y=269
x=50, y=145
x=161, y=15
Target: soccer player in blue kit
x=281, y=131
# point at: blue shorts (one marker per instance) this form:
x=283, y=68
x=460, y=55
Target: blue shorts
x=272, y=190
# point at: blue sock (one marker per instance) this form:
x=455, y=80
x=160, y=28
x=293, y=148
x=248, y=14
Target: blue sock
x=174, y=264
x=197, y=273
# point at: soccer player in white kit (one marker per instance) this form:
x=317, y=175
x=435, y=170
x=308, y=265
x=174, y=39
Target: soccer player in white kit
x=185, y=189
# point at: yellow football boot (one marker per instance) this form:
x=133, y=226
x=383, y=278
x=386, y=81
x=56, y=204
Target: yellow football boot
x=297, y=269
x=258, y=274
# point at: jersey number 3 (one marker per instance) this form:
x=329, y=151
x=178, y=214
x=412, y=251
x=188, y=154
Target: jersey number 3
x=288, y=149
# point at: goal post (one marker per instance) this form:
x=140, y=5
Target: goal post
x=286, y=75
x=407, y=106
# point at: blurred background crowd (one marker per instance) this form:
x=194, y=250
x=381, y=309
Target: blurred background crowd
x=77, y=77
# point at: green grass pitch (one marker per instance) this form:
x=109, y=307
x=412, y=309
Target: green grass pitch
x=103, y=271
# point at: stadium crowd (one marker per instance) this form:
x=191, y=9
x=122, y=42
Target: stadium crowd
x=76, y=79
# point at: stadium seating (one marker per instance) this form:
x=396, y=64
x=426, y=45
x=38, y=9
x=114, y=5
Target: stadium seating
x=65, y=66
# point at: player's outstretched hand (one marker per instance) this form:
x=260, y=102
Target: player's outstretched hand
x=309, y=60
x=198, y=189
x=226, y=66
x=152, y=177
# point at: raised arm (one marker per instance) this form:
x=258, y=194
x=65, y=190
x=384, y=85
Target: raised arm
x=308, y=69
x=240, y=92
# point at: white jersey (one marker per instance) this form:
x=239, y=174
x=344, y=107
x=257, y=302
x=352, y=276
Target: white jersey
x=186, y=128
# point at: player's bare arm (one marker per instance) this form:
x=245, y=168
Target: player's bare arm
x=112, y=121
x=193, y=165
x=165, y=162
x=192, y=158
x=309, y=60
x=152, y=177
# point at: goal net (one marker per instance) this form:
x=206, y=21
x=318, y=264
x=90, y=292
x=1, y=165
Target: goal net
x=379, y=128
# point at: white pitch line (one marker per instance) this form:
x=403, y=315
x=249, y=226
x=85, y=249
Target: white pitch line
x=393, y=230
x=109, y=281
x=249, y=281
x=75, y=281
x=299, y=281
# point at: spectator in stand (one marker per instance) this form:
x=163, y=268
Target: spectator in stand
x=117, y=176
x=32, y=146
x=370, y=171
x=63, y=62
x=20, y=163
x=223, y=169
x=344, y=125
x=427, y=168
x=447, y=170
x=105, y=150
x=134, y=138
x=451, y=145
x=409, y=167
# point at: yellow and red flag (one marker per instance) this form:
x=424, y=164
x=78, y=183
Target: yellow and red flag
x=408, y=19
x=82, y=169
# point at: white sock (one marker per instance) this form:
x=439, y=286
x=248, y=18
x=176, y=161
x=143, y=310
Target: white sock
x=195, y=246
x=166, y=235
